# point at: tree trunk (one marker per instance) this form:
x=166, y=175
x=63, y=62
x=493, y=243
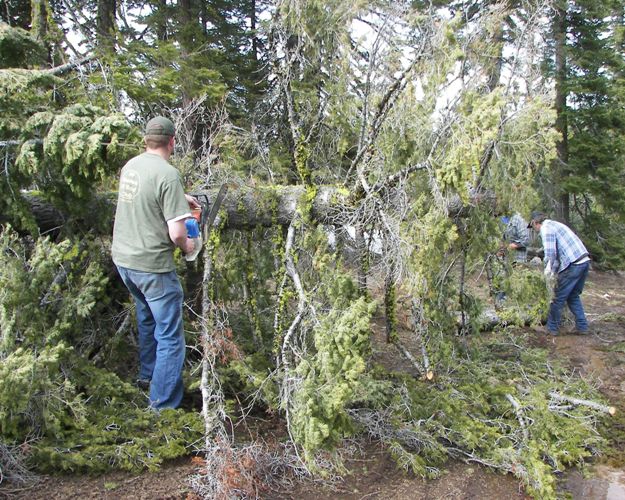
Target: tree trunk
x=186, y=37
x=105, y=23
x=561, y=197
x=244, y=207
x=39, y=16
x=161, y=23
x=253, y=29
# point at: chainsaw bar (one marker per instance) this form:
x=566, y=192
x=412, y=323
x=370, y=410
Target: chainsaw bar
x=214, y=209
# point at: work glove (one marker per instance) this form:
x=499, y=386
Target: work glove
x=197, y=247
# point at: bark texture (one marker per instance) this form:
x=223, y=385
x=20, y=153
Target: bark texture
x=245, y=207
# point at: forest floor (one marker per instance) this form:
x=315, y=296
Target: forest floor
x=372, y=472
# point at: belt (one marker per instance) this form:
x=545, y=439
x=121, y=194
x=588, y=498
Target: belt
x=580, y=258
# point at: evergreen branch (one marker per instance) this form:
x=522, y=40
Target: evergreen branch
x=297, y=283
x=61, y=276
x=408, y=355
x=218, y=449
x=13, y=469
x=384, y=107
x=489, y=150
x=516, y=469
x=82, y=23
x=417, y=314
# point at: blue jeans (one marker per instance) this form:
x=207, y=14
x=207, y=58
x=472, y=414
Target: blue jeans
x=568, y=289
x=158, y=299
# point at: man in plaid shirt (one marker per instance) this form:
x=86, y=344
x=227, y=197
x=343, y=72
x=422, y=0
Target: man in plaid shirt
x=567, y=258
x=516, y=236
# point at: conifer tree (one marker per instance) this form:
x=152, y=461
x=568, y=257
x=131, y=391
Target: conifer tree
x=588, y=174
x=16, y=13
x=172, y=54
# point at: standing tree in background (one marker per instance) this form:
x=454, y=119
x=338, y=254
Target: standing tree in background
x=105, y=23
x=586, y=183
x=172, y=54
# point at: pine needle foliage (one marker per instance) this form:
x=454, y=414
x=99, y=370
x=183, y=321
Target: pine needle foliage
x=331, y=375
x=66, y=155
x=54, y=317
x=526, y=296
x=24, y=92
x=18, y=49
x=51, y=294
x=69, y=154
x=466, y=413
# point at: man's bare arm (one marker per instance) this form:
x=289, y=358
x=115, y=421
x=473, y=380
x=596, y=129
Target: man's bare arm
x=178, y=234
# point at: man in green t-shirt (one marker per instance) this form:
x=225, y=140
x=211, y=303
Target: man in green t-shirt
x=149, y=224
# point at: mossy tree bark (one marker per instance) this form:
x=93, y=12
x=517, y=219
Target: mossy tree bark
x=244, y=207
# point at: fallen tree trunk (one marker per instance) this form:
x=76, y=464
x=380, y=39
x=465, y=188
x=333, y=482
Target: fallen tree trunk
x=47, y=217
x=245, y=207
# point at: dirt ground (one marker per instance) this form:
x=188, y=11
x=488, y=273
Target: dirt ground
x=599, y=356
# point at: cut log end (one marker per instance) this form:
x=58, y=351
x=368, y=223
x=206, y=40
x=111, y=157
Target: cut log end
x=429, y=375
x=611, y=410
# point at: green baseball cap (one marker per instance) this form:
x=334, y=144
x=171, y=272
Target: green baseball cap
x=159, y=125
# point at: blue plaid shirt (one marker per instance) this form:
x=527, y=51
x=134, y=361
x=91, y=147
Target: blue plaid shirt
x=562, y=246
x=516, y=231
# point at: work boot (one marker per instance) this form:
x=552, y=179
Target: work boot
x=545, y=331
x=143, y=384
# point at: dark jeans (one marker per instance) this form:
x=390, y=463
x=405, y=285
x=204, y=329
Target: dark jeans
x=158, y=299
x=568, y=289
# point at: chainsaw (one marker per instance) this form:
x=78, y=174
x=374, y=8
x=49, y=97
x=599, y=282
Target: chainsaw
x=203, y=219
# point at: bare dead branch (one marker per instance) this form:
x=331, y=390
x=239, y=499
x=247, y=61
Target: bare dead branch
x=611, y=410
x=519, y=415
x=65, y=68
